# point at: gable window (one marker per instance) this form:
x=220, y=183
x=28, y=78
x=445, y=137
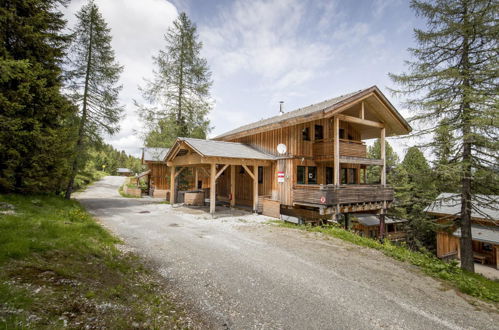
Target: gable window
x=305, y=133
x=329, y=175
x=319, y=132
x=260, y=174
x=300, y=174
x=312, y=175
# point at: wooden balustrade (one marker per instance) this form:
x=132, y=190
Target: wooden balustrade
x=345, y=194
x=323, y=150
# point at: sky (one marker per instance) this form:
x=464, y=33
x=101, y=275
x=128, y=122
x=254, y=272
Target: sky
x=261, y=52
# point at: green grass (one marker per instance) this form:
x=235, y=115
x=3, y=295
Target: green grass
x=59, y=267
x=473, y=284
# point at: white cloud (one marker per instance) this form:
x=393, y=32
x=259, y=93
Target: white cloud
x=137, y=28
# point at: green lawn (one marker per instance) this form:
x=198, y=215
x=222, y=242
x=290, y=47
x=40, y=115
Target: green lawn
x=59, y=267
x=473, y=284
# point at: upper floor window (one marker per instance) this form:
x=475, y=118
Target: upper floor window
x=260, y=174
x=312, y=175
x=305, y=133
x=329, y=175
x=300, y=174
x=319, y=132
x=342, y=133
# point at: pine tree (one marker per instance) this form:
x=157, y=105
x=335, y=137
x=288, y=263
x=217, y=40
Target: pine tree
x=453, y=75
x=35, y=118
x=392, y=159
x=179, y=92
x=445, y=169
x=93, y=75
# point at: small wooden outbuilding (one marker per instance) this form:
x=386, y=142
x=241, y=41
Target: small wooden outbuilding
x=158, y=174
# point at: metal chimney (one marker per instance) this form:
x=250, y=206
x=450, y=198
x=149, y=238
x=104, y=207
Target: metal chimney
x=281, y=110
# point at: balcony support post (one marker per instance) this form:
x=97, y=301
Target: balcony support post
x=336, y=150
x=383, y=157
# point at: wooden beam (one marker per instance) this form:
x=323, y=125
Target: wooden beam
x=213, y=187
x=172, y=185
x=221, y=171
x=362, y=112
x=176, y=174
x=233, y=185
x=196, y=178
x=383, y=157
x=365, y=122
x=255, y=189
x=248, y=171
x=336, y=150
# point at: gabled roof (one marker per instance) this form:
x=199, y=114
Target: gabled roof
x=482, y=234
x=369, y=220
x=327, y=105
x=154, y=154
x=123, y=170
x=212, y=148
x=448, y=203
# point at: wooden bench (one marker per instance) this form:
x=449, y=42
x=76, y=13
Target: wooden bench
x=481, y=258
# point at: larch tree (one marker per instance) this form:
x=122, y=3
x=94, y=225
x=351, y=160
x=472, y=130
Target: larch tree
x=453, y=74
x=35, y=117
x=178, y=95
x=93, y=75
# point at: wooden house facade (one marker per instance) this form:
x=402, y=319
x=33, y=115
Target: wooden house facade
x=157, y=173
x=310, y=159
x=484, y=228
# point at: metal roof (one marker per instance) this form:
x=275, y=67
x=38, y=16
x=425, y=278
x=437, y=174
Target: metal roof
x=448, y=203
x=482, y=234
x=123, y=170
x=154, y=154
x=373, y=220
x=309, y=110
x=212, y=148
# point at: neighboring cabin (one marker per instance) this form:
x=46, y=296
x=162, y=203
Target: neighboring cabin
x=320, y=167
x=484, y=228
x=157, y=173
x=121, y=171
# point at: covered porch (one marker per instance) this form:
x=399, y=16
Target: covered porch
x=219, y=168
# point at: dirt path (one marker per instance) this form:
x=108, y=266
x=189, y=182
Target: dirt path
x=242, y=274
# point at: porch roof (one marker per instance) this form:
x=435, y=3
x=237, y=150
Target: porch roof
x=212, y=148
x=450, y=204
x=154, y=154
x=482, y=234
x=369, y=220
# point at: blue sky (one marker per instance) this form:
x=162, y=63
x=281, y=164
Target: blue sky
x=262, y=52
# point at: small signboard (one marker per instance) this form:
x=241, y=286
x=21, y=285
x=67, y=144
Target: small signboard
x=280, y=177
x=323, y=200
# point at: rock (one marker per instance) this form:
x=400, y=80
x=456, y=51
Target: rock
x=6, y=206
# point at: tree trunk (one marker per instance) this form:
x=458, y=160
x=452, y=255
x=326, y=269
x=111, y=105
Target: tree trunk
x=81, y=128
x=466, y=246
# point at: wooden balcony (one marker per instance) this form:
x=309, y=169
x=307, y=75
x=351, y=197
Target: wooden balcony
x=328, y=195
x=323, y=150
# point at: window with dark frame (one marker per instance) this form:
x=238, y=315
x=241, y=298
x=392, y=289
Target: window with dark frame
x=343, y=176
x=352, y=175
x=319, y=132
x=342, y=133
x=312, y=175
x=260, y=174
x=306, y=134
x=300, y=174
x=329, y=175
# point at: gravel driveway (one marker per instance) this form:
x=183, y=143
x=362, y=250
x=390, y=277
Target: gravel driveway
x=241, y=273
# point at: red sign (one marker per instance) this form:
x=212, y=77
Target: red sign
x=323, y=200
x=280, y=177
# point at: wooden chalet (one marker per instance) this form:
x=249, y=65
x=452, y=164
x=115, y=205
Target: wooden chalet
x=367, y=225
x=313, y=159
x=157, y=173
x=484, y=228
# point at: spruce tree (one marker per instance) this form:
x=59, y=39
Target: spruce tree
x=178, y=96
x=453, y=75
x=93, y=74
x=392, y=159
x=445, y=170
x=35, y=118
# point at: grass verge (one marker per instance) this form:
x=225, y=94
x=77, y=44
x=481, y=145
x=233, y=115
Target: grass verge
x=473, y=284
x=59, y=268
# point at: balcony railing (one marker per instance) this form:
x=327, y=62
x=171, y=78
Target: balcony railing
x=323, y=150
x=345, y=194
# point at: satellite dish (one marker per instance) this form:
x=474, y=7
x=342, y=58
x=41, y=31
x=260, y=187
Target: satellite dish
x=281, y=148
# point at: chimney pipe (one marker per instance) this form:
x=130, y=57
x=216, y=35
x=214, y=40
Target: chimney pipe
x=281, y=110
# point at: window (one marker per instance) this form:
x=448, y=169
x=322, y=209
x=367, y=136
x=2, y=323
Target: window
x=342, y=133
x=300, y=174
x=305, y=134
x=329, y=175
x=319, y=132
x=350, y=137
x=352, y=175
x=200, y=184
x=343, y=176
x=260, y=174
x=312, y=175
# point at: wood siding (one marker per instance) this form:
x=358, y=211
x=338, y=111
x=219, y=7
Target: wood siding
x=159, y=176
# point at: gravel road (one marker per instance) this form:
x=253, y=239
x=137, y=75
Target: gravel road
x=240, y=273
